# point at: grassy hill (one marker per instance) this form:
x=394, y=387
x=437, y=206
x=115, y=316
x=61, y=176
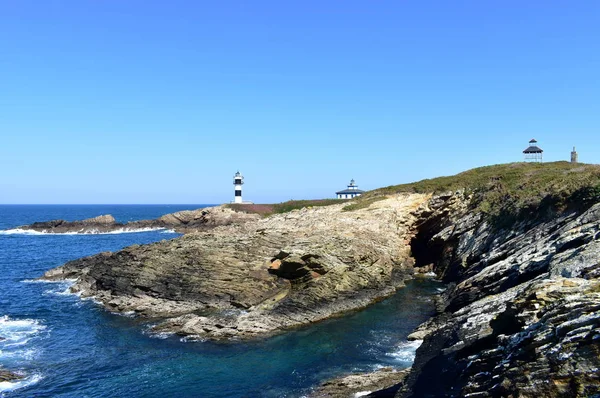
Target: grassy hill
x=515, y=190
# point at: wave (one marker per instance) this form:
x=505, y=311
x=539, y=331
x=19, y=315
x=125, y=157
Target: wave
x=6, y=386
x=18, y=332
x=20, y=231
x=55, y=282
x=406, y=351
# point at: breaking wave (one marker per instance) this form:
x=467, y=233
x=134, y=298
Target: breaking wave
x=20, y=231
x=406, y=351
x=16, y=333
x=7, y=386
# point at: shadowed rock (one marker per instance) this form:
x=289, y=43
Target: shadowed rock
x=521, y=316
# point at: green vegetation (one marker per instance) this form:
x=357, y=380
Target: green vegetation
x=508, y=192
x=285, y=207
x=361, y=203
x=299, y=204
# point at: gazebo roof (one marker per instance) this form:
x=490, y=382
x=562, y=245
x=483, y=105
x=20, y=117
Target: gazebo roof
x=533, y=149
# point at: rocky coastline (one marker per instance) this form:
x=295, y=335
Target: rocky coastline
x=185, y=221
x=520, y=316
x=257, y=278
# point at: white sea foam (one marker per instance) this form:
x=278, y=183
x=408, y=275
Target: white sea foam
x=60, y=281
x=18, y=331
x=13, y=353
x=20, y=231
x=406, y=351
x=159, y=335
x=362, y=393
x=6, y=386
x=126, y=314
x=193, y=338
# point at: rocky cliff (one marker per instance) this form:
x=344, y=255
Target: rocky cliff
x=258, y=277
x=521, y=316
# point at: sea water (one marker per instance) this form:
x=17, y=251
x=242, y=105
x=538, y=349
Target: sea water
x=68, y=347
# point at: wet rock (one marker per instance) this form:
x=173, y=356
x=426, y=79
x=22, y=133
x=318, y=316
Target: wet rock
x=7, y=376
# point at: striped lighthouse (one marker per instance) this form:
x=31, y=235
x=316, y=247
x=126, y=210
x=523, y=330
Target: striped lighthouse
x=238, y=181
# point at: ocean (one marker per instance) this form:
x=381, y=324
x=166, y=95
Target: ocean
x=69, y=347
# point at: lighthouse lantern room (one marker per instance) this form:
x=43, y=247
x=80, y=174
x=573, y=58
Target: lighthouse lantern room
x=238, y=181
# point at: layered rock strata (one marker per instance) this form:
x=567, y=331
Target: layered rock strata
x=258, y=277
x=183, y=221
x=521, y=316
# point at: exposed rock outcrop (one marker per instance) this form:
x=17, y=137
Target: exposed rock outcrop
x=6, y=375
x=521, y=316
x=183, y=221
x=258, y=277
x=379, y=384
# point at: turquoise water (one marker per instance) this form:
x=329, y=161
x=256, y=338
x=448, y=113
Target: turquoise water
x=68, y=347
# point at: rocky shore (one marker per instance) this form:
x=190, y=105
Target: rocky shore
x=183, y=221
x=259, y=277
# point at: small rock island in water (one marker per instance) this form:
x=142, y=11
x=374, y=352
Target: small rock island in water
x=517, y=244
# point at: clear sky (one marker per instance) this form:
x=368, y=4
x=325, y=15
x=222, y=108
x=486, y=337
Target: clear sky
x=143, y=101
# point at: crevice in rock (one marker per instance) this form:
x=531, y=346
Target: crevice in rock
x=429, y=253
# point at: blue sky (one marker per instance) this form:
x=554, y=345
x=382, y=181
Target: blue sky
x=161, y=102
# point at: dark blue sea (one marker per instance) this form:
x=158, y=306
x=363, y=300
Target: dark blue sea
x=68, y=347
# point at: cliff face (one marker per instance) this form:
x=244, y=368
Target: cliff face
x=521, y=316
x=258, y=277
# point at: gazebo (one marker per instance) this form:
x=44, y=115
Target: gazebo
x=533, y=153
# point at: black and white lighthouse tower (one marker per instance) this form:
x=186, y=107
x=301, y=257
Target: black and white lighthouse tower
x=238, y=181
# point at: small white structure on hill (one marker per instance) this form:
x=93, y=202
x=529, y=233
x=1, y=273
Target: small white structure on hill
x=351, y=192
x=238, y=181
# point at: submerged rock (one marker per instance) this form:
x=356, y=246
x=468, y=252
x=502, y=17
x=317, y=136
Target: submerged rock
x=7, y=376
